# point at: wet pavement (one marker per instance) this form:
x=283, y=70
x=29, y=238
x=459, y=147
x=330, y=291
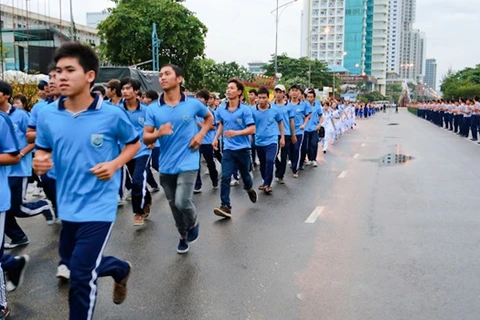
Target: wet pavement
x=390, y=241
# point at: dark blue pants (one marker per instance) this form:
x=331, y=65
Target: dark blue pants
x=295, y=153
x=456, y=122
x=475, y=122
x=254, y=150
x=82, y=245
x=466, y=124
x=4, y=258
x=49, y=186
x=267, y=155
x=153, y=164
x=231, y=161
x=207, y=151
x=156, y=158
x=140, y=195
x=20, y=209
x=281, y=159
x=310, y=146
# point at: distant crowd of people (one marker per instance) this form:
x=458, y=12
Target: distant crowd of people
x=461, y=116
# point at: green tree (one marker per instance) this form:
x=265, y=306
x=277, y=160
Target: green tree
x=465, y=83
x=291, y=68
x=206, y=73
x=394, y=90
x=126, y=33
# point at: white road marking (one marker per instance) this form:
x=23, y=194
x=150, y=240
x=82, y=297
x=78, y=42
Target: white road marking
x=363, y=145
x=314, y=215
x=342, y=175
x=356, y=156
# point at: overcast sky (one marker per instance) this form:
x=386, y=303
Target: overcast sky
x=244, y=30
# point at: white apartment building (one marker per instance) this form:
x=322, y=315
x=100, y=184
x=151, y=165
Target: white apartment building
x=379, y=43
x=323, y=28
x=394, y=35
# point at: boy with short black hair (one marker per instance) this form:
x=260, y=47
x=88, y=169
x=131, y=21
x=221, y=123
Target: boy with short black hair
x=236, y=124
x=138, y=166
x=81, y=136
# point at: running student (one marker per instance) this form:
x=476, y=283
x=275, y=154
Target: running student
x=289, y=126
x=301, y=116
x=81, y=137
x=172, y=120
x=138, y=166
x=236, y=124
x=18, y=177
x=9, y=155
x=206, y=149
x=269, y=126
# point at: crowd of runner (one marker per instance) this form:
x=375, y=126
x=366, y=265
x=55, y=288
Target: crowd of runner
x=461, y=116
x=95, y=148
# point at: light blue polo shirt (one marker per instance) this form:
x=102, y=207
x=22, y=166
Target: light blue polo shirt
x=175, y=154
x=19, y=120
x=32, y=122
x=208, y=139
x=137, y=117
x=316, y=111
x=239, y=119
x=8, y=144
x=79, y=142
x=300, y=111
x=266, y=124
x=286, y=112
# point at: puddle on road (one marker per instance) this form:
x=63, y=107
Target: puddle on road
x=391, y=159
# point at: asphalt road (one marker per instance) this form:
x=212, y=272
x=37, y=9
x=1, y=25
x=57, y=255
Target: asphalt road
x=385, y=241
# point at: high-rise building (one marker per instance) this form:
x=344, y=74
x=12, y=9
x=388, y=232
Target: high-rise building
x=394, y=35
x=379, y=41
x=323, y=30
x=406, y=46
x=348, y=33
x=431, y=73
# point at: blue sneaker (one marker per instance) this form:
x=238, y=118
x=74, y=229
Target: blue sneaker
x=182, y=246
x=192, y=234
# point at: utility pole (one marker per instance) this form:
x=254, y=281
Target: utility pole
x=155, y=46
x=1, y=44
x=73, y=32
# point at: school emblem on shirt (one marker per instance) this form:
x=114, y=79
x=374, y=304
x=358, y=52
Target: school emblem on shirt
x=239, y=121
x=15, y=127
x=298, y=110
x=141, y=120
x=96, y=140
x=186, y=118
x=271, y=119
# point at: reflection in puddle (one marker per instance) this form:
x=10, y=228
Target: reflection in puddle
x=393, y=159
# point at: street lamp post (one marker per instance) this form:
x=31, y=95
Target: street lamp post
x=276, y=32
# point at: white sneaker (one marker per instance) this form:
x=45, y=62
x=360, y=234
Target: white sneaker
x=121, y=202
x=315, y=163
x=63, y=272
x=207, y=172
x=295, y=175
x=128, y=195
x=234, y=183
x=309, y=163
